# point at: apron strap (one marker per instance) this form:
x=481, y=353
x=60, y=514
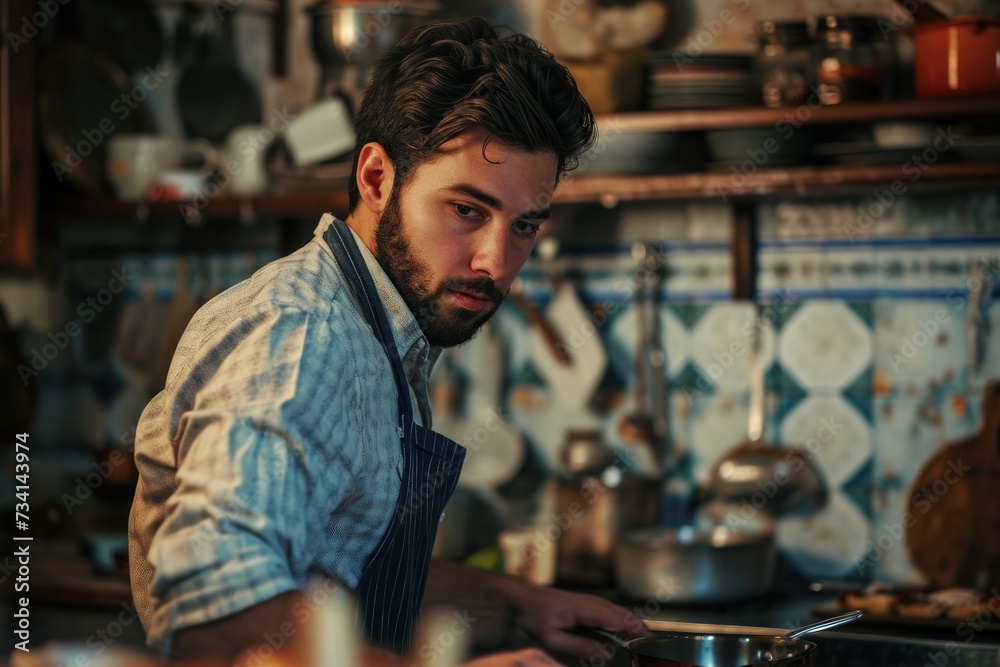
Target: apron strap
x=341, y=241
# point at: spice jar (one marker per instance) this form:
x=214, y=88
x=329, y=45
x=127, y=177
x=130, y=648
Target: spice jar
x=852, y=58
x=784, y=62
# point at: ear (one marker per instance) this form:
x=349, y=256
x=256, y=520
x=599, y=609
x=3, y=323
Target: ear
x=375, y=177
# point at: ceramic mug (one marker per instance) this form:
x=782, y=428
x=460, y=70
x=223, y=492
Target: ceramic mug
x=245, y=164
x=135, y=161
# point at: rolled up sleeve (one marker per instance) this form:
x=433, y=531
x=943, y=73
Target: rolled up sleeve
x=258, y=469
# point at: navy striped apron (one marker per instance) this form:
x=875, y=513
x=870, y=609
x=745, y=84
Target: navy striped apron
x=391, y=588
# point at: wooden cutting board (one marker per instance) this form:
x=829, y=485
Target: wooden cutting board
x=954, y=530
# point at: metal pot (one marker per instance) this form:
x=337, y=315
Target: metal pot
x=359, y=33
x=719, y=650
x=957, y=57
x=700, y=566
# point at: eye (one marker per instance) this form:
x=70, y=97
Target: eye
x=468, y=212
x=526, y=228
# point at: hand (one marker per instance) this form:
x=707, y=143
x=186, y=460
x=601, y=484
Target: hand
x=531, y=657
x=547, y=615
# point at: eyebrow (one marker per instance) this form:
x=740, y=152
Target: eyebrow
x=493, y=202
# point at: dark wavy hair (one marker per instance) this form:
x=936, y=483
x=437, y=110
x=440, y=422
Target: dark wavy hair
x=449, y=77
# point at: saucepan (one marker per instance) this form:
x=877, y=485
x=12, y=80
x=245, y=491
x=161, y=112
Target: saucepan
x=727, y=650
x=957, y=57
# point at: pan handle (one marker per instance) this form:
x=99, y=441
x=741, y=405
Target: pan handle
x=824, y=625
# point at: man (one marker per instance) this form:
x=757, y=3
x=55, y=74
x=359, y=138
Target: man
x=292, y=440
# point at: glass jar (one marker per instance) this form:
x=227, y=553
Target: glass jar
x=852, y=58
x=784, y=62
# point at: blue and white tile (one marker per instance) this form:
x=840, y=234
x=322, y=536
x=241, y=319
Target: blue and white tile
x=799, y=271
x=718, y=423
x=919, y=344
x=721, y=345
x=825, y=345
x=831, y=429
x=990, y=368
x=827, y=544
x=887, y=557
x=851, y=270
x=623, y=335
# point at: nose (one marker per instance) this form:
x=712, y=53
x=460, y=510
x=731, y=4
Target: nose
x=492, y=253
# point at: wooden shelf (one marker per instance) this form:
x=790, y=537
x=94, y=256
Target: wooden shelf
x=270, y=205
x=859, y=112
x=610, y=190
x=606, y=190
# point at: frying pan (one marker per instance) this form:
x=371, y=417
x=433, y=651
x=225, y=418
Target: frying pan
x=727, y=650
x=213, y=95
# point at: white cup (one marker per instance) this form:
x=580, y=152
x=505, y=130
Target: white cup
x=529, y=554
x=245, y=150
x=135, y=161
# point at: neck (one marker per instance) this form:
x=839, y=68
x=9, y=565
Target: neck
x=362, y=221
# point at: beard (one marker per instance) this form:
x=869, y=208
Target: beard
x=444, y=324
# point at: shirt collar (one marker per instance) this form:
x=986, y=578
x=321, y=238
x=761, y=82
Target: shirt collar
x=414, y=349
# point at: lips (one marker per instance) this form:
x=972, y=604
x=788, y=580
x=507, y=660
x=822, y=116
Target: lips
x=472, y=300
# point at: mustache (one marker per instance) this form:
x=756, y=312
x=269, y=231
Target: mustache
x=480, y=286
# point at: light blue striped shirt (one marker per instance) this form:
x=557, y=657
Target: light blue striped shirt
x=271, y=456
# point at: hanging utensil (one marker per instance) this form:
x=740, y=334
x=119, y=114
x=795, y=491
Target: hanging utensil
x=538, y=321
x=793, y=482
x=572, y=384
x=976, y=324
x=647, y=422
x=192, y=35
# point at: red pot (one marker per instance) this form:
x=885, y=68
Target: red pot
x=958, y=57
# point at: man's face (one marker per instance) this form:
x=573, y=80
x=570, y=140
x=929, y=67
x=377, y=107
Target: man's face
x=455, y=237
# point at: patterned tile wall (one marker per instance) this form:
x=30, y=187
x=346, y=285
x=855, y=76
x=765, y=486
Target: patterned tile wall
x=867, y=362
